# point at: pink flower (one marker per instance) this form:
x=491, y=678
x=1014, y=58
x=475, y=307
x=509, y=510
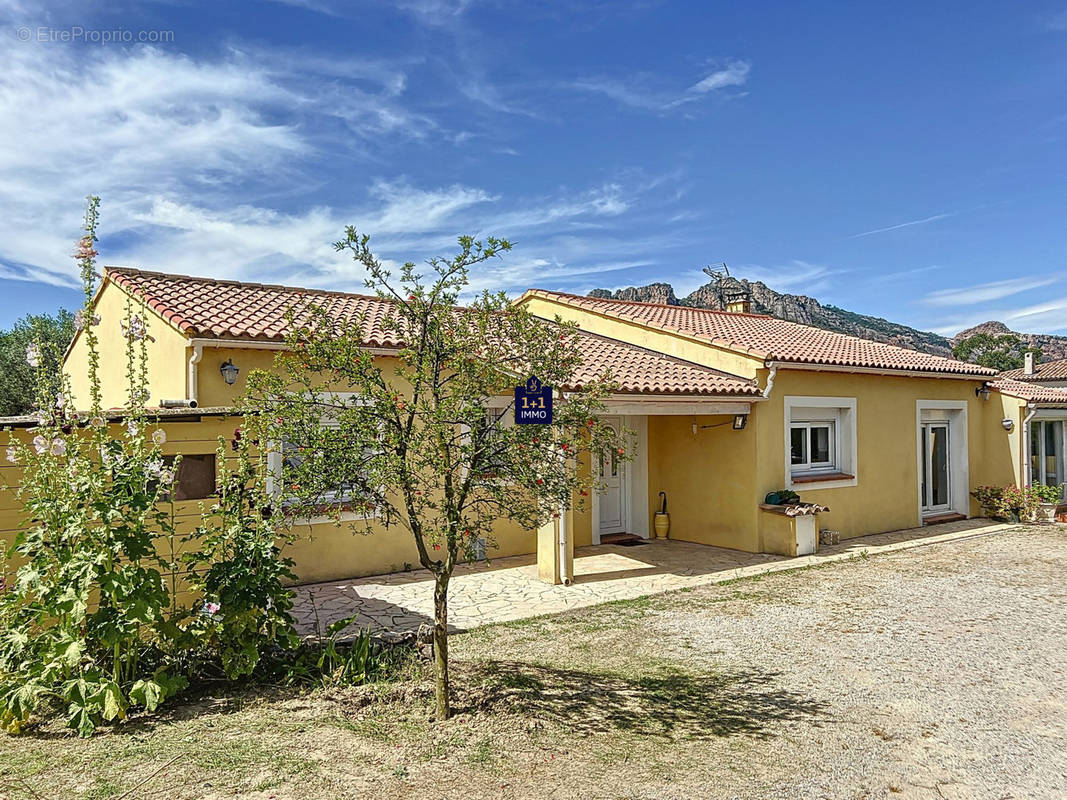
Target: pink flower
x=133, y=427
x=60, y=400
x=159, y=436
x=59, y=447
x=12, y=455
x=33, y=355
x=40, y=444
x=211, y=609
x=97, y=421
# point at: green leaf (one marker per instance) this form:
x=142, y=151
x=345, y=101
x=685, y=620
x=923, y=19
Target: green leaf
x=148, y=694
x=113, y=701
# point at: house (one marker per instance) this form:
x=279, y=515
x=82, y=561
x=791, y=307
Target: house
x=1043, y=431
x=726, y=407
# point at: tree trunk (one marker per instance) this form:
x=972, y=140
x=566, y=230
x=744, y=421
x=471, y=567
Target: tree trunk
x=440, y=646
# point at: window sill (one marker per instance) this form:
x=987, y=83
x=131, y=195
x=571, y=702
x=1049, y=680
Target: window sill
x=821, y=477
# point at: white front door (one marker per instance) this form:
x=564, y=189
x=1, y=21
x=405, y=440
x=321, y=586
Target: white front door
x=936, y=470
x=613, y=494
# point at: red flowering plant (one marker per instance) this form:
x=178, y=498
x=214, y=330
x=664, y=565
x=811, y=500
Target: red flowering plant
x=1007, y=502
x=419, y=439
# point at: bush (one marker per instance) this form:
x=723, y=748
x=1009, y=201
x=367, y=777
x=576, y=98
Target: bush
x=1013, y=503
x=90, y=622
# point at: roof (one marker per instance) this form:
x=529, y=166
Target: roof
x=639, y=370
x=1048, y=371
x=119, y=414
x=210, y=308
x=1031, y=393
x=217, y=309
x=769, y=338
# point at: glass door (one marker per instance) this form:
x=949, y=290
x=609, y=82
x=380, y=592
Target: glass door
x=935, y=467
x=1046, y=452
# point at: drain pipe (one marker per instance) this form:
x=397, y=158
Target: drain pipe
x=566, y=569
x=1024, y=451
x=190, y=382
x=770, y=379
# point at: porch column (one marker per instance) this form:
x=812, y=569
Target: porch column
x=555, y=550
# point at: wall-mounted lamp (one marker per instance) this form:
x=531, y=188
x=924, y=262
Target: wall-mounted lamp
x=1008, y=424
x=229, y=372
x=740, y=421
x=982, y=391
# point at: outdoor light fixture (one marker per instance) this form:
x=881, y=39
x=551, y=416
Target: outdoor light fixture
x=740, y=421
x=229, y=372
x=982, y=391
x=1008, y=424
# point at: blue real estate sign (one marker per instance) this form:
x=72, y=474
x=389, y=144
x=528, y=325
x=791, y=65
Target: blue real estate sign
x=533, y=403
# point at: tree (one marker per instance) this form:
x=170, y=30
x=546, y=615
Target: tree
x=18, y=380
x=1000, y=351
x=418, y=446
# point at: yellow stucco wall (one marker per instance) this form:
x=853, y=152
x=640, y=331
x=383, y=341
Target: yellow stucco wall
x=886, y=496
x=709, y=478
x=166, y=354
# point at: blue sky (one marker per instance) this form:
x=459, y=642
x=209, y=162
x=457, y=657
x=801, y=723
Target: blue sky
x=905, y=160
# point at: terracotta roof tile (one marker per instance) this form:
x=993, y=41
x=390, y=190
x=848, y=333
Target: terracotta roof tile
x=1045, y=395
x=209, y=308
x=636, y=369
x=769, y=338
x=217, y=309
x=1048, y=371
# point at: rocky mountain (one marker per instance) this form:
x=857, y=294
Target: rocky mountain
x=796, y=308
x=1053, y=348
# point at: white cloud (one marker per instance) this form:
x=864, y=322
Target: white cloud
x=908, y=224
x=986, y=292
x=637, y=91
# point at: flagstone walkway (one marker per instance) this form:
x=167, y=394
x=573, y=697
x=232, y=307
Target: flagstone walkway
x=509, y=589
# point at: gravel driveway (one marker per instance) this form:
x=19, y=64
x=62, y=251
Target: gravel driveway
x=941, y=671
x=932, y=673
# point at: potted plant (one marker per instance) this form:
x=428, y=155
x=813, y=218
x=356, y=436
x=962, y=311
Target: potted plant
x=1048, y=498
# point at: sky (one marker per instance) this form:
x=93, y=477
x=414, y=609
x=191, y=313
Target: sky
x=905, y=160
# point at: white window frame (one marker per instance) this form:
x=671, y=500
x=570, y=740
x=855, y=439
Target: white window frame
x=839, y=413
x=275, y=466
x=808, y=466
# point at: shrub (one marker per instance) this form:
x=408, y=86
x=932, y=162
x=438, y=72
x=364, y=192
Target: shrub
x=1008, y=502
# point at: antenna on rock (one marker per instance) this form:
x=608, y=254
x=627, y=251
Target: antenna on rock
x=730, y=298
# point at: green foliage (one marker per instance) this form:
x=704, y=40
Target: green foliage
x=420, y=448
x=333, y=659
x=18, y=380
x=90, y=621
x=1000, y=352
x=239, y=570
x=1046, y=493
x=1013, y=503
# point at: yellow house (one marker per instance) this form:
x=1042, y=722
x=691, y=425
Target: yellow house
x=726, y=407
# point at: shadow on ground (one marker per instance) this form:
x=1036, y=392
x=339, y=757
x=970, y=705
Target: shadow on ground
x=666, y=702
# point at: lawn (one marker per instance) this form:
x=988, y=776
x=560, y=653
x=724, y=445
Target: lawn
x=935, y=672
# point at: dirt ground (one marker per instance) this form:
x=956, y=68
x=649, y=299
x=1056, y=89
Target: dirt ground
x=937, y=672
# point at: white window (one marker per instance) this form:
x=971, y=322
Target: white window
x=498, y=417
x=813, y=445
x=820, y=441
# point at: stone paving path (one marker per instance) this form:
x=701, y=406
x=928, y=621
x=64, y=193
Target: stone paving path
x=509, y=589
